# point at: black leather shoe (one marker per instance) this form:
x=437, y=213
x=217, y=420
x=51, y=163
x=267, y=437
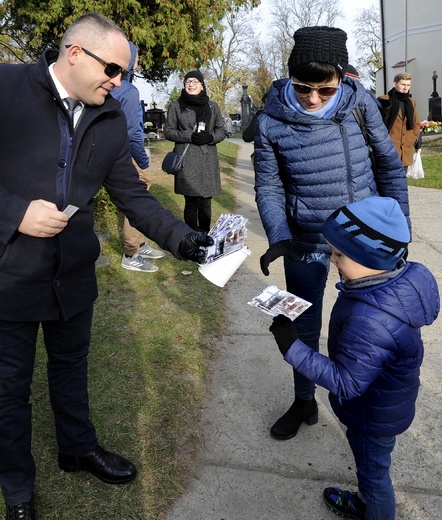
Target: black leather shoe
x=108, y=467
x=25, y=511
x=287, y=426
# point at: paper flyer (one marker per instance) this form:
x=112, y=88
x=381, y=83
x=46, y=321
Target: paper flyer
x=276, y=301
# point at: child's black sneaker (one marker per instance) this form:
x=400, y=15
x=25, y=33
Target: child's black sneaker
x=344, y=503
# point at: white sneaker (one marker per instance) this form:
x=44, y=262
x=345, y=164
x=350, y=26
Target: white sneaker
x=137, y=263
x=146, y=251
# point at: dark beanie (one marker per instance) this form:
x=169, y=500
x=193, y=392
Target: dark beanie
x=373, y=232
x=352, y=72
x=321, y=44
x=197, y=75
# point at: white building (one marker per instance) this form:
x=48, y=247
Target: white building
x=412, y=42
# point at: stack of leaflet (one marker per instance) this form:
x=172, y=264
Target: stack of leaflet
x=228, y=252
x=229, y=233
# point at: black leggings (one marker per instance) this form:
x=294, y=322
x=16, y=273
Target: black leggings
x=198, y=212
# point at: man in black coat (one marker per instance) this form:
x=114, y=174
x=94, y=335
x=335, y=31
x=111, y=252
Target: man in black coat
x=51, y=166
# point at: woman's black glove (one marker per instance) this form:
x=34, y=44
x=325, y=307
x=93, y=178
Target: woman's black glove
x=284, y=331
x=282, y=248
x=200, y=138
x=190, y=247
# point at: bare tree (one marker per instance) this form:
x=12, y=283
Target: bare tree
x=290, y=15
x=368, y=28
x=261, y=76
x=227, y=71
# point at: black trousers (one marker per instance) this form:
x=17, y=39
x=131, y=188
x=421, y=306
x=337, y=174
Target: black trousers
x=67, y=346
x=198, y=212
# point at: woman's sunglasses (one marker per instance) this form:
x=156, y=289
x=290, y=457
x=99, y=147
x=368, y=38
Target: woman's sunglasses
x=306, y=90
x=110, y=69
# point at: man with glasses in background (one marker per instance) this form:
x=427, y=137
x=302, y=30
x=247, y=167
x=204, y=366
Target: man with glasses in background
x=310, y=159
x=62, y=136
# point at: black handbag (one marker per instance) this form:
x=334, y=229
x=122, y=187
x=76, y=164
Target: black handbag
x=173, y=162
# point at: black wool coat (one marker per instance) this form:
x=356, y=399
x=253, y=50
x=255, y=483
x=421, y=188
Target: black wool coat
x=41, y=158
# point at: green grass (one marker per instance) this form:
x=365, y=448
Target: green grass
x=152, y=345
x=433, y=173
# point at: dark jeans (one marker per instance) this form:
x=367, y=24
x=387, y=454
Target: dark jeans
x=373, y=460
x=198, y=212
x=307, y=279
x=67, y=346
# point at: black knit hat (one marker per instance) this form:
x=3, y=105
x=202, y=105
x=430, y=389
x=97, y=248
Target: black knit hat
x=322, y=44
x=197, y=75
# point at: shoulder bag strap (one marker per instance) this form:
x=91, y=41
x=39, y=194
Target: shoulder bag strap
x=185, y=150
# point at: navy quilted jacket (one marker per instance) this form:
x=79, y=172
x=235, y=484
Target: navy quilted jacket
x=375, y=351
x=307, y=167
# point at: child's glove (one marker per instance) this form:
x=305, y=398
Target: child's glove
x=282, y=248
x=284, y=331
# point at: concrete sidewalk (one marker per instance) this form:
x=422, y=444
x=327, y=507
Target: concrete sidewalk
x=241, y=473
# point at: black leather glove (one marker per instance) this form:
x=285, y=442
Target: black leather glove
x=200, y=138
x=282, y=248
x=284, y=331
x=190, y=247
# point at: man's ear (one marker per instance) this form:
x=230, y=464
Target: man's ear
x=72, y=53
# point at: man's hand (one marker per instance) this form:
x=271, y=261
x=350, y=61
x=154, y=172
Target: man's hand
x=282, y=248
x=190, y=247
x=284, y=331
x=43, y=220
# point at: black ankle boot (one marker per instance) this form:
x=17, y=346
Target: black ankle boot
x=25, y=511
x=302, y=410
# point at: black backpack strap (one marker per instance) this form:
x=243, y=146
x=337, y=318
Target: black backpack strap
x=361, y=122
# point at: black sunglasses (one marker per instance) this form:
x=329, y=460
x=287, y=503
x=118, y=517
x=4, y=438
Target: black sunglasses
x=110, y=69
x=305, y=90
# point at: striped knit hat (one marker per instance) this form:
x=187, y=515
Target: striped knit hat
x=373, y=232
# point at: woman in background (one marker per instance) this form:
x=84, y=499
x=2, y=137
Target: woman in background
x=194, y=119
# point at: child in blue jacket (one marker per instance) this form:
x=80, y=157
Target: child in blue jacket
x=374, y=345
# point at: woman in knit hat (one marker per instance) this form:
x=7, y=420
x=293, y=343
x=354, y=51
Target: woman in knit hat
x=310, y=159
x=194, y=119
x=374, y=345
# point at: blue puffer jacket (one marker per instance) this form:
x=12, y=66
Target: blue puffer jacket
x=375, y=351
x=307, y=167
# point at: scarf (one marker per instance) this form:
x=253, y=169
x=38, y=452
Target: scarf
x=199, y=104
x=402, y=101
